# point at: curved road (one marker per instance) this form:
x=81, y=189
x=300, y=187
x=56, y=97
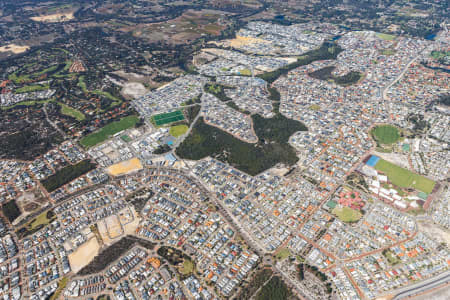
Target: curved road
x=421, y=287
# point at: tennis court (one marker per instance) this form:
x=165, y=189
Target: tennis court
x=167, y=118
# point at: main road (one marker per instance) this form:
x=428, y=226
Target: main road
x=423, y=286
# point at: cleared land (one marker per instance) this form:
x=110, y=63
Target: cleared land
x=109, y=130
x=192, y=24
x=54, y=17
x=178, y=130
x=125, y=167
x=134, y=89
x=385, y=134
x=346, y=214
x=84, y=254
x=16, y=49
x=241, y=41
x=167, y=118
x=404, y=178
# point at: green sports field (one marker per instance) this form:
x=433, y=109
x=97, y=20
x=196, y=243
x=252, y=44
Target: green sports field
x=109, y=130
x=386, y=37
x=283, y=254
x=385, y=134
x=178, y=130
x=346, y=214
x=167, y=118
x=404, y=178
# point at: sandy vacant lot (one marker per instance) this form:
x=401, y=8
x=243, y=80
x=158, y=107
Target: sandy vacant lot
x=16, y=49
x=84, y=254
x=438, y=233
x=241, y=41
x=134, y=89
x=54, y=17
x=114, y=226
x=125, y=167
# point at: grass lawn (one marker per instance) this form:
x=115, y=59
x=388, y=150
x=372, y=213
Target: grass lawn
x=388, y=52
x=32, y=88
x=116, y=100
x=404, y=178
x=346, y=214
x=40, y=220
x=314, y=107
x=187, y=267
x=386, y=37
x=67, y=66
x=178, y=130
x=27, y=103
x=71, y=112
x=439, y=54
x=109, y=130
x=245, y=72
x=283, y=254
x=45, y=71
x=385, y=134
x=82, y=84
x=19, y=79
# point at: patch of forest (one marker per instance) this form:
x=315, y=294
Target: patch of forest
x=11, y=210
x=271, y=149
x=112, y=253
x=257, y=281
x=217, y=90
x=275, y=289
x=328, y=50
x=344, y=80
x=67, y=174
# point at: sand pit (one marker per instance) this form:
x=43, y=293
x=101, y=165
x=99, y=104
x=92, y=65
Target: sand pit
x=16, y=49
x=61, y=17
x=84, y=254
x=125, y=167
